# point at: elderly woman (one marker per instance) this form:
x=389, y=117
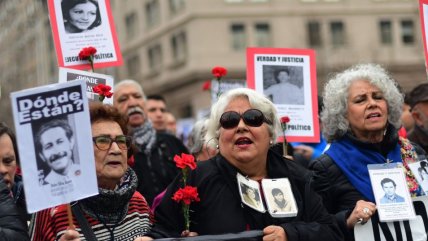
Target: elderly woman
x=80, y=15
x=361, y=115
x=118, y=212
x=197, y=145
x=244, y=124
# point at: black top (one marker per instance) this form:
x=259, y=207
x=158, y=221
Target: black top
x=220, y=210
x=157, y=170
x=11, y=226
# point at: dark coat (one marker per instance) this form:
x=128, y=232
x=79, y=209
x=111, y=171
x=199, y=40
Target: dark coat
x=156, y=170
x=220, y=210
x=11, y=227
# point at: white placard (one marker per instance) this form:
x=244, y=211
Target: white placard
x=55, y=147
x=411, y=230
x=91, y=79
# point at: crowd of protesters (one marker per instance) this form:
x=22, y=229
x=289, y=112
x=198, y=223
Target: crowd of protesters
x=364, y=117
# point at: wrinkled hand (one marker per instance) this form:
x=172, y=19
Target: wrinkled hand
x=305, y=151
x=70, y=235
x=362, y=212
x=274, y=233
x=144, y=238
x=187, y=233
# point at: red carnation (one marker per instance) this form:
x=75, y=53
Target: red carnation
x=186, y=160
x=103, y=91
x=219, y=72
x=187, y=195
x=285, y=119
x=88, y=54
x=206, y=85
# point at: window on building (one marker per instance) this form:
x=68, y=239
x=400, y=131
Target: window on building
x=337, y=30
x=263, y=35
x=131, y=24
x=133, y=64
x=239, y=41
x=314, y=34
x=179, y=46
x=407, y=32
x=385, y=30
x=176, y=6
x=155, y=57
x=152, y=13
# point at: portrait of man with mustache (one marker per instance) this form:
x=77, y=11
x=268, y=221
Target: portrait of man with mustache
x=54, y=146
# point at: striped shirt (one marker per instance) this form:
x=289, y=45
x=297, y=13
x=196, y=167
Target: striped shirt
x=50, y=224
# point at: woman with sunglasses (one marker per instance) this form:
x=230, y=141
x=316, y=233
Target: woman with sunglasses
x=244, y=124
x=118, y=212
x=361, y=116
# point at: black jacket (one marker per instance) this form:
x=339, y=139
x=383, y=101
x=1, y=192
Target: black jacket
x=11, y=227
x=156, y=170
x=220, y=209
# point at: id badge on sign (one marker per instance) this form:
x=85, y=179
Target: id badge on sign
x=391, y=193
x=279, y=197
x=250, y=193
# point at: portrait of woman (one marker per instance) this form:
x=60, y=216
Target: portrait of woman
x=250, y=196
x=361, y=116
x=80, y=15
x=243, y=126
x=280, y=203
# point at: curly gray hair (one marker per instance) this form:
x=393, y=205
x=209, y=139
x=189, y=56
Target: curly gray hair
x=333, y=116
x=257, y=101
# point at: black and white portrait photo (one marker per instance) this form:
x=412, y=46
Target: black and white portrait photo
x=251, y=196
x=55, y=147
x=284, y=84
x=80, y=15
x=279, y=197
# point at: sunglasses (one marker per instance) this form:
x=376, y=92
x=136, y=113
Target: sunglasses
x=104, y=142
x=251, y=117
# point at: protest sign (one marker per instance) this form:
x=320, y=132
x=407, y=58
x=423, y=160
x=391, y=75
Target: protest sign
x=55, y=145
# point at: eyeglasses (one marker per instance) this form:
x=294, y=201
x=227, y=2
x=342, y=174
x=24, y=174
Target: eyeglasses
x=251, y=117
x=104, y=142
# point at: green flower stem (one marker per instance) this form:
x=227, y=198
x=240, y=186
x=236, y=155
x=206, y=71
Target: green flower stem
x=91, y=61
x=186, y=209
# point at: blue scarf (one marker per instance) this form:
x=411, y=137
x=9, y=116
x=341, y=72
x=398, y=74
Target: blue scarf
x=353, y=161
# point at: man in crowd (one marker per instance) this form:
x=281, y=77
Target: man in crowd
x=419, y=104
x=156, y=109
x=55, y=143
x=154, y=164
x=171, y=123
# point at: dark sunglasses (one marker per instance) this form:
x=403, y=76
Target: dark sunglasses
x=104, y=142
x=251, y=117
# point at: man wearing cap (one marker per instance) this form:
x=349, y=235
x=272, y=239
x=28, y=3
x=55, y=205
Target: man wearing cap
x=419, y=105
